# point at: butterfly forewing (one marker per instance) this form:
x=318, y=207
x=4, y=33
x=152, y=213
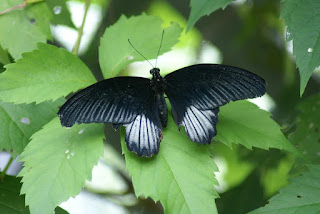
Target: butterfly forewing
x=208, y=86
x=117, y=100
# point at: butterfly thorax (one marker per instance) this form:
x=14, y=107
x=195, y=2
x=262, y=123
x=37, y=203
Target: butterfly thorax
x=157, y=84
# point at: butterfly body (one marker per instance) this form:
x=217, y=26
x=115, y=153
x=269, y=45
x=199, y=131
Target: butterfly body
x=195, y=92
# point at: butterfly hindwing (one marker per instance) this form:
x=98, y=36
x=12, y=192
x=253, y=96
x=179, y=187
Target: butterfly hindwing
x=200, y=125
x=143, y=135
x=196, y=93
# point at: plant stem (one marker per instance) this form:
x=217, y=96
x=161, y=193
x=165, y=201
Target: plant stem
x=76, y=46
x=3, y=173
x=15, y=7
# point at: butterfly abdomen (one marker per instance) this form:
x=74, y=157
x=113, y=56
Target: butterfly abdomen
x=163, y=110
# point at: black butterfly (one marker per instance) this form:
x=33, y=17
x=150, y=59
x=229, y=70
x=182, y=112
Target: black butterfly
x=195, y=93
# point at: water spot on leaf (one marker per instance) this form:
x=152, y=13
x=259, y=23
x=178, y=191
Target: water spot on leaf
x=57, y=10
x=25, y=120
x=81, y=131
x=287, y=34
x=68, y=127
x=67, y=151
x=318, y=153
x=68, y=157
x=304, y=152
x=73, y=153
x=310, y=50
x=310, y=125
x=130, y=58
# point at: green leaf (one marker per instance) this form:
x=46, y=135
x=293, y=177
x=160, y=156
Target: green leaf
x=57, y=162
x=19, y=122
x=306, y=136
x=144, y=33
x=44, y=74
x=4, y=58
x=59, y=210
x=22, y=28
x=244, y=123
x=200, y=8
x=304, y=29
x=61, y=14
x=10, y=199
x=300, y=196
x=181, y=175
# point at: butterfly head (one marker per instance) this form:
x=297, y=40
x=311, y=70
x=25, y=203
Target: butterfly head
x=155, y=71
x=156, y=74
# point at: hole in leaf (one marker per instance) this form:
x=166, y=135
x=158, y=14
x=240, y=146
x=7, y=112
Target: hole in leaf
x=299, y=196
x=32, y=21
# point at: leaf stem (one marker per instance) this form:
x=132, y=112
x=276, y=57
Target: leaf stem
x=76, y=46
x=3, y=173
x=14, y=7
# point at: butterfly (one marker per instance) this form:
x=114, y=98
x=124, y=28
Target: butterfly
x=195, y=93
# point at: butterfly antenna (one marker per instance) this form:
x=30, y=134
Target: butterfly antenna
x=140, y=53
x=159, y=47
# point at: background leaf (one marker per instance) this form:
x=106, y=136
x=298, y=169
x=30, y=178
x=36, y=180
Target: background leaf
x=10, y=199
x=4, y=58
x=61, y=14
x=305, y=133
x=44, y=74
x=22, y=28
x=181, y=175
x=19, y=122
x=300, y=196
x=57, y=162
x=134, y=28
x=244, y=123
x=11, y=202
x=200, y=8
x=304, y=29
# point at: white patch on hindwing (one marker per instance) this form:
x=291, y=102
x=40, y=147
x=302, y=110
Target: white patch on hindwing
x=200, y=125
